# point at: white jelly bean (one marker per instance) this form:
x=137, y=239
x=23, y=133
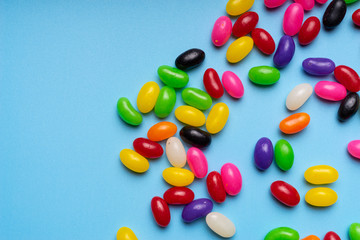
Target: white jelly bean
x=220, y=224
x=298, y=96
x=175, y=152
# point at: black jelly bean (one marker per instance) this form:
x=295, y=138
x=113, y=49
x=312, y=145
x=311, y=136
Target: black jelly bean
x=349, y=106
x=334, y=13
x=195, y=136
x=190, y=59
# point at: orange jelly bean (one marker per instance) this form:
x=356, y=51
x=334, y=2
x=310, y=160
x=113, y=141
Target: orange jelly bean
x=161, y=131
x=294, y=123
x=311, y=237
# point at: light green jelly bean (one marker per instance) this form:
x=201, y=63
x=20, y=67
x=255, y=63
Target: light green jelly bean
x=282, y=233
x=350, y=1
x=165, y=102
x=196, y=98
x=284, y=155
x=354, y=231
x=173, y=77
x=264, y=75
x=127, y=112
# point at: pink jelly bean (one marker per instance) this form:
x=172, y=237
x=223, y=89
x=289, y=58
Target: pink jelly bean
x=306, y=4
x=231, y=178
x=354, y=148
x=293, y=19
x=232, y=84
x=197, y=162
x=221, y=31
x=321, y=1
x=331, y=91
x=274, y=3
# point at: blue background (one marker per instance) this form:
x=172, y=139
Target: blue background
x=65, y=63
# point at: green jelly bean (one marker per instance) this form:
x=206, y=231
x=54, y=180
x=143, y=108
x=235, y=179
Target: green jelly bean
x=350, y=1
x=165, y=102
x=284, y=155
x=128, y=113
x=282, y=233
x=196, y=98
x=354, y=231
x=264, y=75
x=173, y=77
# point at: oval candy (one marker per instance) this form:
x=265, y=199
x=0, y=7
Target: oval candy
x=239, y=49
x=196, y=98
x=190, y=116
x=318, y=66
x=221, y=31
x=284, y=52
x=220, y=224
x=175, y=152
x=125, y=233
x=197, y=162
x=264, y=153
x=231, y=178
x=232, y=84
x=173, y=77
x=195, y=136
x=311, y=237
x=264, y=75
x=217, y=118
x=179, y=195
x=147, y=97
x=354, y=148
x=321, y=174
x=331, y=236
x=237, y=7
x=284, y=155
x=294, y=123
x=321, y=197
x=134, y=161
x=285, y=193
x=165, y=102
x=274, y=3
x=354, y=231
x=245, y=24
x=147, y=148
x=161, y=211
x=215, y=187
x=356, y=17
x=331, y=91
x=190, y=59
x=263, y=41
x=283, y=233
x=306, y=4
x=127, y=112
x=293, y=19
x=321, y=1
x=178, y=177
x=298, y=96
x=347, y=77
x=212, y=83
x=334, y=13
x=349, y=106
x=161, y=131
x=309, y=30
x=198, y=208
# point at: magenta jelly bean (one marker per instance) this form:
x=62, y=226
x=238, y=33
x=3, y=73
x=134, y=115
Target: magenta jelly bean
x=221, y=31
x=321, y=1
x=306, y=4
x=274, y=3
x=232, y=84
x=231, y=178
x=331, y=91
x=197, y=162
x=293, y=19
x=354, y=148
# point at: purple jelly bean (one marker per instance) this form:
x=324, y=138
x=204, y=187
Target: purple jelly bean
x=197, y=209
x=264, y=153
x=285, y=51
x=318, y=66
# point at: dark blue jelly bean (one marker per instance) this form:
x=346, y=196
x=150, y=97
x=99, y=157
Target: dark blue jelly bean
x=264, y=153
x=334, y=13
x=349, y=106
x=318, y=66
x=284, y=52
x=197, y=209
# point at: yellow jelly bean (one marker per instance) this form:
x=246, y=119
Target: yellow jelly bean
x=147, y=97
x=217, y=118
x=125, y=233
x=239, y=49
x=190, y=116
x=134, y=161
x=178, y=177
x=321, y=174
x=321, y=197
x=237, y=7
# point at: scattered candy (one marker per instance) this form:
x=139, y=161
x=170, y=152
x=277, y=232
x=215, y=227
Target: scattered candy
x=221, y=31
x=215, y=187
x=331, y=91
x=321, y=174
x=197, y=162
x=263, y=153
x=298, y=96
x=239, y=49
x=231, y=178
x=147, y=97
x=356, y=17
x=354, y=148
x=321, y=197
x=134, y=161
x=179, y=196
x=173, y=77
x=232, y=84
x=125, y=233
x=196, y=98
x=284, y=155
x=332, y=236
x=178, y=177
x=347, y=77
x=148, y=148
x=293, y=19
x=245, y=24
x=237, y=7
x=334, y=13
x=190, y=59
x=285, y=233
x=306, y=4
x=294, y=123
x=198, y=208
x=127, y=112
x=263, y=41
x=309, y=30
x=220, y=224
x=212, y=83
x=175, y=152
x=195, y=136
x=161, y=211
x=284, y=52
x=354, y=231
x=165, y=102
x=349, y=106
x=274, y=3
x=161, y=131
x=190, y=116
x=264, y=75
x=217, y=118
x=318, y=66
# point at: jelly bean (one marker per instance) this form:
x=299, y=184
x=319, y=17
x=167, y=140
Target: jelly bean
x=190, y=116
x=178, y=177
x=195, y=136
x=318, y=66
x=161, y=211
x=147, y=97
x=148, y=148
x=294, y=123
x=283, y=233
x=321, y=1
x=311, y=237
x=332, y=236
x=179, y=195
x=331, y=91
x=298, y=96
x=217, y=118
x=198, y=208
x=347, y=77
x=284, y=155
x=293, y=19
x=190, y=59
x=212, y=83
x=334, y=13
x=321, y=197
x=125, y=233
x=239, y=49
x=197, y=162
x=237, y=7
x=264, y=75
x=231, y=178
x=264, y=153
x=356, y=17
x=274, y=3
x=349, y=106
x=175, y=152
x=306, y=4
x=220, y=224
x=321, y=174
x=245, y=24
x=173, y=77
x=263, y=41
x=354, y=148
x=232, y=84
x=161, y=131
x=128, y=113
x=215, y=187
x=196, y=98
x=309, y=30
x=350, y=1
x=285, y=193
x=165, y=102
x=221, y=31
x=134, y=161
x=284, y=52
x=354, y=231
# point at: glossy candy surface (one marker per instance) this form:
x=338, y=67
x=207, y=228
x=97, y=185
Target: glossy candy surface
x=284, y=52
x=173, y=77
x=220, y=224
x=349, y=106
x=179, y=195
x=197, y=162
x=263, y=153
x=190, y=59
x=239, y=49
x=148, y=148
x=311, y=237
x=264, y=75
x=215, y=187
x=282, y=233
x=231, y=178
x=306, y=4
x=212, y=83
x=356, y=17
x=285, y=193
x=354, y=231
x=237, y=7
x=334, y=13
x=190, y=116
x=161, y=211
x=274, y=3
x=298, y=96
x=175, y=152
x=347, y=77
x=195, y=136
x=309, y=30
x=134, y=161
x=161, y=131
x=196, y=98
x=284, y=155
x=294, y=123
x=232, y=84
x=263, y=41
x=198, y=208
x=331, y=91
x=245, y=24
x=354, y=148
x=321, y=197
x=125, y=233
x=221, y=31
x=147, y=97
x=293, y=19
x=217, y=118
x=321, y=174
x=178, y=177
x=127, y=112
x=331, y=236
x=165, y=102
x=321, y=1
x=318, y=66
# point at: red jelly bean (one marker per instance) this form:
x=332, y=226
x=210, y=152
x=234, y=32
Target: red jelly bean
x=215, y=187
x=245, y=24
x=148, y=148
x=161, y=211
x=179, y=195
x=356, y=17
x=309, y=30
x=347, y=77
x=212, y=83
x=332, y=236
x=263, y=40
x=285, y=193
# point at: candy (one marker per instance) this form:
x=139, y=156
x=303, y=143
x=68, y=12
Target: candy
x=231, y=178
x=347, y=77
x=284, y=155
x=221, y=31
x=263, y=41
x=293, y=19
x=215, y=187
x=331, y=236
x=239, y=49
x=318, y=66
x=179, y=195
x=173, y=77
x=321, y=1
x=196, y=98
x=285, y=193
x=245, y=24
x=147, y=97
x=264, y=153
x=294, y=123
x=178, y=177
x=311, y=237
x=349, y=106
x=190, y=116
x=264, y=75
x=354, y=148
x=198, y=208
x=356, y=17
x=197, y=162
x=283, y=233
x=148, y=148
x=274, y=3
x=175, y=152
x=195, y=136
x=334, y=13
x=165, y=102
x=298, y=96
x=161, y=131
x=237, y=7
x=190, y=59
x=331, y=91
x=125, y=233
x=306, y=4
x=321, y=174
x=220, y=224
x=134, y=161
x=232, y=84
x=309, y=30
x=284, y=52
x=160, y=211
x=350, y=1
x=212, y=83
x=217, y=118
x=354, y=231
x=321, y=197
x=127, y=112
